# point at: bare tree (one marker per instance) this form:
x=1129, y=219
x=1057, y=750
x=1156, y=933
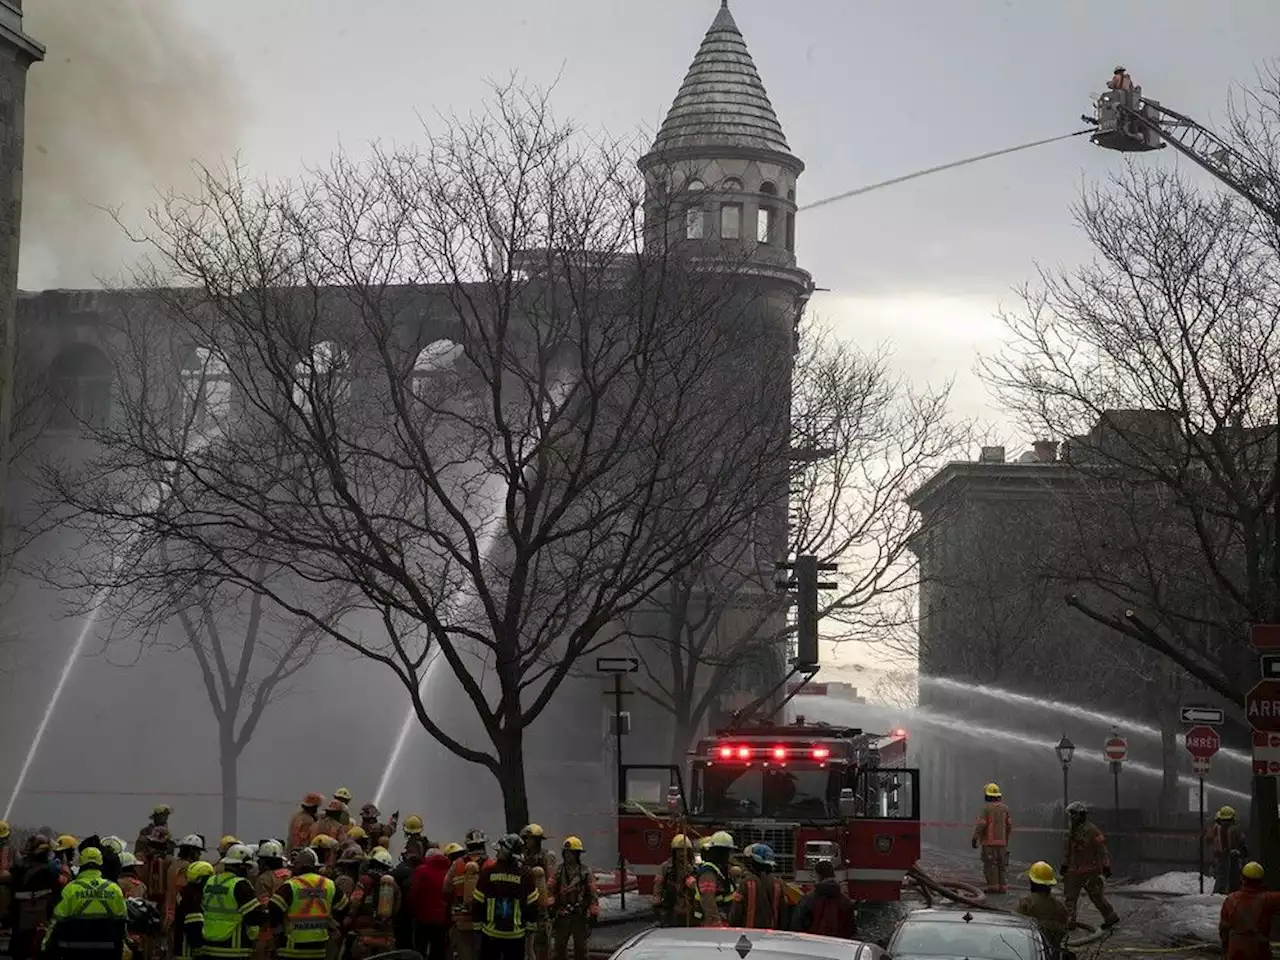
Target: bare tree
x=1159, y=363
x=463, y=392
x=863, y=438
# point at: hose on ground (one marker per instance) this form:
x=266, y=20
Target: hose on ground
x=962, y=892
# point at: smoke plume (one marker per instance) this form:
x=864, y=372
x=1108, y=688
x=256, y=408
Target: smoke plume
x=129, y=97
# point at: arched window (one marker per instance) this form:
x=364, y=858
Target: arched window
x=81, y=383
x=436, y=358
x=769, y=188
x=321, y=375
x=732, y=185
x=694, y=185
x=206, y=391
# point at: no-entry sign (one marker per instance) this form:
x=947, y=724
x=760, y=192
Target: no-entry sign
x=1262, y=706
x=1202, y=742
x=1116, y=749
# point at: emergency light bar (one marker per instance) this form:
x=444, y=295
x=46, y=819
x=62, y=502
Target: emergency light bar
x=778, y=753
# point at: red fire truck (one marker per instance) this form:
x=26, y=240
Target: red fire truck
x=811, y=791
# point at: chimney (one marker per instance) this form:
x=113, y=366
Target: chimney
x=1046, y=451
x=991, y=455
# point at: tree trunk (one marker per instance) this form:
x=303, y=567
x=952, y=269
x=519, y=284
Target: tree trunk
x=1170, y=697
x=510, y=774
x=230, y=759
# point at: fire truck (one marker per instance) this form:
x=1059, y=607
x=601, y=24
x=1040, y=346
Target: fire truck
x=811, y=791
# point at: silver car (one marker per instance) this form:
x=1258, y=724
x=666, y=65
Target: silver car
x=716, y=943
x=934, y=934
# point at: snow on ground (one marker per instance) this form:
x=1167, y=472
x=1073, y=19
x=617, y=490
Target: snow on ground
x=1194, y=916
x=638, y=905
x=1176, y=882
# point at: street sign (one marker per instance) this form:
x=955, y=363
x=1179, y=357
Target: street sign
x=617, y=664
x=1202, y=742
x=1210, y=715
x=1269, y=664
x=1116, y=749
x=1200, y=766
x=1265, y=636
x=1262, y=706
x=1266, y=753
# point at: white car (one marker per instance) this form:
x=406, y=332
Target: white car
x=717, y=943
x=934, y=934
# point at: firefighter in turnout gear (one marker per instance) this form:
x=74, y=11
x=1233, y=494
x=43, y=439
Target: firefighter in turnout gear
x=129, y=883
x=538, y=943
x=343, y=796
x=300, y=824
x=37, y=881
x=758, y=900
x=305, y=907
x=713, y=891
x=190, y=848
x=375, y=902
x=672, y=894
x=331, y=825
x=380, y=834
x=460, y=888
x=991, y=832
x=1085, y=864
x=272, y=875
x=573, y=902
x=188, y=921
x=413, y=830
x=1227, y=844
x=505, y=903
x=1049, y=913
x=1244, y=925
x=89, y=920
x=6, y=873
x=159, y=818
x=230, y=911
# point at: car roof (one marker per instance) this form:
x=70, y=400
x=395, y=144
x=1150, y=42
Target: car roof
x=662, y=942
x=985, y=918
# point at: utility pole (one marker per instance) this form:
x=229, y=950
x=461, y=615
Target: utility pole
x=806, y=585
x=618, y=667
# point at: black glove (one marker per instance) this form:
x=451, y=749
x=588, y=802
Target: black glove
x=974, y=843
x=1106, y=873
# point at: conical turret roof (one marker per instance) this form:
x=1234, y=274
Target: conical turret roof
x=722, y=102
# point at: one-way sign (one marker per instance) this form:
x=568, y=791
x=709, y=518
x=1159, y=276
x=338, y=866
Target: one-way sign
x=1210, y=715
x=617, y=664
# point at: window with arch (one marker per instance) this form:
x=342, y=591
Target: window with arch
x=206, y=390
x=769, y=188
x=81, y=382
x=436, y=358
x=732, y=184
x=764, y=225
x=322, y=374
x=694, y=185
x=791, y=194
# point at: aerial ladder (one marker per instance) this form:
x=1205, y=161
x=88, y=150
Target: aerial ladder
x=1128, y=122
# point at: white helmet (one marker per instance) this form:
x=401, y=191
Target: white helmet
x=382, y=856
x=192, y=840
x=271, y=848
x=113, y=843
x=237, y=853
x=127, y=860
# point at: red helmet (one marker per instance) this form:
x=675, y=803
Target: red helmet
x=312, y=800
x=335, y=806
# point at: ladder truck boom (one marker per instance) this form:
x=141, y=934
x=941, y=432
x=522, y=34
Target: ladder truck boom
x=1128, y=122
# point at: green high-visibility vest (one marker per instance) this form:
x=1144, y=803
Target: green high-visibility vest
x=306, y=925
x=223, y=928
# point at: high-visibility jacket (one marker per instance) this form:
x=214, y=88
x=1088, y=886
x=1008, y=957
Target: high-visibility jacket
x=757, y=903
x=711, y=880
x=460, y=888
x=299, y=834
x=229, y=907
x=307, y=904
x=505, y=903
x=89, y=918
x=1245, y=922
x=994, y=825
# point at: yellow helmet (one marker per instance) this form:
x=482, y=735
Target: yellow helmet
x=324, y=842
x=64, y=843
x=4, y=830
x=199, y=870
x=226, y=843
x=573, y=843
x=453, y=849
x=356, y=833
x=1042, y=873
x=343, y=794
x=412, y=824
x=1225, y=813
x=991, y=791
x=532, y=830
x=89, y=857
x=681, y=842
x=704, y=843
x=721, y=839
x=1252, y=870
x=160, y=810
x=382, y=856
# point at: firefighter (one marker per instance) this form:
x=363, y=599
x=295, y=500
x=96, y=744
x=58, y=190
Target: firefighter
x=129, y=883
x=230, y=911
x=36, y=883
x=403, y=876
x=89, y=919
x=331, y=824
x=1247, y=915
x=1049, y=913
x=671, y=894
x=758, y=902
x=112, y=850
x=1227, y=844
x=358, y=838
x=413, y=830
x=272, y=875
x=300, y=824
x=1085, y=865
x=714, y=893
x=1120, y=80
x=190, y=848
x=369, y=823
x=225, y=844
x=505, y=903
x=6, y=873
x=64, y=849
x=375, y=903
x=538, y=943
x=304, y=907
x=573, y=901
x=188, y=921
x=159, y=818
x=460, y=887
x=991, y=832
x=343, y=796
x=326, y=850
x=826, y=909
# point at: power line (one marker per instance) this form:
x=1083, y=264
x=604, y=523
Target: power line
x=946, y=166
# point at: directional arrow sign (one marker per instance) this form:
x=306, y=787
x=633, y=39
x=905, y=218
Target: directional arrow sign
x=617, y=664
x=1202, y=715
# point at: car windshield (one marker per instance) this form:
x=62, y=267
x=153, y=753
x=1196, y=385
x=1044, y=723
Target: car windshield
x=730, y=790
x=976, y=941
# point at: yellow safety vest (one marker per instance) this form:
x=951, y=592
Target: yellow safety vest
x=724, y=893
x=88, y=897
x=223, y=928
x=306, y=921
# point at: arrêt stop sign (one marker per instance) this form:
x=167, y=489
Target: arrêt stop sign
x=1202, y=742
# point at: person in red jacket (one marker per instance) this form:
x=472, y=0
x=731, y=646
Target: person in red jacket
x=1247, y=915
x=826, y=909
x=429, y=906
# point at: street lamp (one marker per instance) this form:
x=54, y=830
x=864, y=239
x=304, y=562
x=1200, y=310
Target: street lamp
x=1065, y=751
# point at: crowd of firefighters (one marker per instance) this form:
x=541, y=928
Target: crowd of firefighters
x=330, y=891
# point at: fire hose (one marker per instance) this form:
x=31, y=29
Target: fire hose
x=968, y=895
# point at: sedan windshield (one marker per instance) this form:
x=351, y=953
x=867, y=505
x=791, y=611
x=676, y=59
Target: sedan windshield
x=976, y=941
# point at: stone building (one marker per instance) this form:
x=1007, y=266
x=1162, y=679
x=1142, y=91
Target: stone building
x=722, y=162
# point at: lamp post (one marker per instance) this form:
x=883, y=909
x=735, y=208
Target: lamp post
x=1065, y=751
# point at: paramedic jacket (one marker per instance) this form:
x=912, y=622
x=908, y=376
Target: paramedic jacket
x=505, y=904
